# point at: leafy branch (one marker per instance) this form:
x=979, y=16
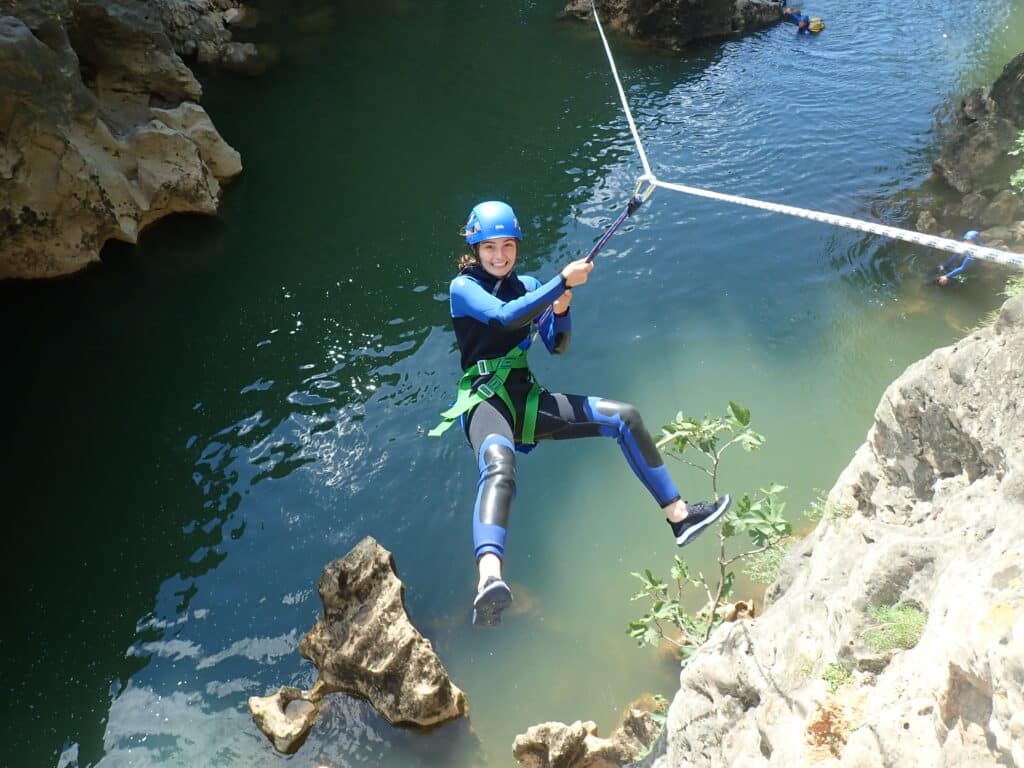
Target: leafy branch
x=701, y=444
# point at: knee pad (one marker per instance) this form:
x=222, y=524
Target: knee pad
x=497, y=485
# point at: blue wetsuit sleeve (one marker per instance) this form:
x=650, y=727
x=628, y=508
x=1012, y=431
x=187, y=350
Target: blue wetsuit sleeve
x=950, y=261
x=470, y=299
x=555, y=330
x=963, y=265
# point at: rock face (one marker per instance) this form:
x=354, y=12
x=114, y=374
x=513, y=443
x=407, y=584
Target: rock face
x=673, y=24
x=930, y=513
x=102, y=135
x=557, y=745
x=973, y=169
x=364, y=645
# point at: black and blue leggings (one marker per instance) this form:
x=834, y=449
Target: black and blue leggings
x=560, y=417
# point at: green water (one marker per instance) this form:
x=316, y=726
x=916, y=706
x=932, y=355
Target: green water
x=197, y=427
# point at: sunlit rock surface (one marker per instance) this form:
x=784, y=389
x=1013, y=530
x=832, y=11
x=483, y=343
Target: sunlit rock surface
x=102, y=132
x=673, y=24
x=286, y=716
x=364, y=645
x=557, y=745
x=930, y=512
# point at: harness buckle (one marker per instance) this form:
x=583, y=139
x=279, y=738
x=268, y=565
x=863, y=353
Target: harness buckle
x=481, y=367
x=486, y=391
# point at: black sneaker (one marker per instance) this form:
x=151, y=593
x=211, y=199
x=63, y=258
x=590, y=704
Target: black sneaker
x=698, y=517
x=490, y=601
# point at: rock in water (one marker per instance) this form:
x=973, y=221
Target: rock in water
x=366, y=645
x=286, y=716
x=557, y=745
x=674, y=24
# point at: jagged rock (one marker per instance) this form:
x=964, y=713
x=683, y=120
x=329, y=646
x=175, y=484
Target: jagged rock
x=202, y=28
x=972, y=206
x=974, y=162
x=242, y=18
x=557, y=745
x=1005, y=208
x=673, y=24
x=975, y=158
x=930, y=512
x=88, y=160
x=926, y=222
x=1008, y=90
x=248, y=58
x=976, y=105
x=286, y=717
x=366, y=645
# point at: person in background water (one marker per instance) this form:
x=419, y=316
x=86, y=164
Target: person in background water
x=971, y=236
x=496, y=313
x=802, y=21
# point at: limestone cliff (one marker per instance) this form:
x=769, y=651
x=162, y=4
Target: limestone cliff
x=930, y=514
x=100, y=130
x=674, y=24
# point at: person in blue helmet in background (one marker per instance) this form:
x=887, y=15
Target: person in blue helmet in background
x=502, y=408
x=802, y=20
x=947, y=272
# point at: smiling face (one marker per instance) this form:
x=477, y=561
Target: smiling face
x=498, y=255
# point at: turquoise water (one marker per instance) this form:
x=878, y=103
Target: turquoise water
x=198, y=426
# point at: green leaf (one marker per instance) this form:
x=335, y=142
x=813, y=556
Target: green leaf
x=679, y=570
x=739, y=414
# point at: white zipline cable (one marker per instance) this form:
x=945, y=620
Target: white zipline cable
x=942, y=243
x=932, y=241
x=622, y=95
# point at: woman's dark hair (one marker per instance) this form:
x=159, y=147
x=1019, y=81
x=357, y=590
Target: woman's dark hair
x=469, y=259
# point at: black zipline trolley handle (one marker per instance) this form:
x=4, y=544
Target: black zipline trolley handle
x=640, y=195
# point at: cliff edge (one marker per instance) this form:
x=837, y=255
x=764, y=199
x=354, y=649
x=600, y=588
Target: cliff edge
x=929, y=516
x=101, y=132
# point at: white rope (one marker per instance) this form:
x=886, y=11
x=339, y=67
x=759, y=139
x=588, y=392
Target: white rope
x=622, y=95
x=932, y=241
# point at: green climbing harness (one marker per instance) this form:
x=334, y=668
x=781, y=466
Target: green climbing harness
x=469, y=398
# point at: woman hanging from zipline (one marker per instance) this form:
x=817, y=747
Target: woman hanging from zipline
x=502, y=407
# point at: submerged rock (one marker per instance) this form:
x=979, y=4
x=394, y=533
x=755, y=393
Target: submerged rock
x=929, y=515
x=674, y=24
x=364, y=645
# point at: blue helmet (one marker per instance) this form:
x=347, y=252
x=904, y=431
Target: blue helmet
x=490, y=220
x=971, y=235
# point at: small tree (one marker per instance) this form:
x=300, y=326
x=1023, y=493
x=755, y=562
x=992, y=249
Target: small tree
x=701, y=444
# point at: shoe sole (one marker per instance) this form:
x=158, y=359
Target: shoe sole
x=489, y=604
x=691, y=533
